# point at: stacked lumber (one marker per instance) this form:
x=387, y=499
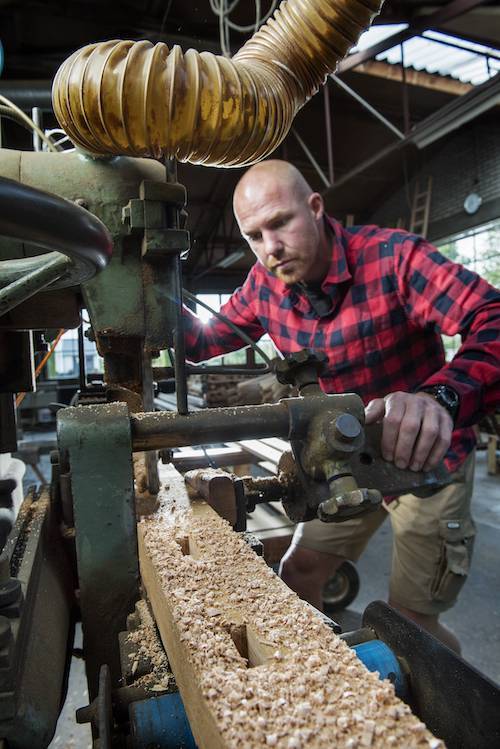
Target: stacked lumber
x=217, y=390
x=254, y=665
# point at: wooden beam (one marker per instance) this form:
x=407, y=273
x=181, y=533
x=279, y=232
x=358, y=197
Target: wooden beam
x=255, y=666
x=390, y=72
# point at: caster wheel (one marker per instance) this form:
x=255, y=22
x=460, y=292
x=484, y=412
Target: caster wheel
x=341, y=589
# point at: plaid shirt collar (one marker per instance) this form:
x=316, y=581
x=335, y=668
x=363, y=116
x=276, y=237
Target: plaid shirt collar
x=338, y=272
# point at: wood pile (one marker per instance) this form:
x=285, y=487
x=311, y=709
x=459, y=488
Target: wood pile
x=217, y=390
x=228, y=390
x=254, y=665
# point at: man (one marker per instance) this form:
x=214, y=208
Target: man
x=375, y=302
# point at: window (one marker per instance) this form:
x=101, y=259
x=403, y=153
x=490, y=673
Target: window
x=236, y=357
x=64, y=361
x=478, y=250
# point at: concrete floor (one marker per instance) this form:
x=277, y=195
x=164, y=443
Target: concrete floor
x=475, y=619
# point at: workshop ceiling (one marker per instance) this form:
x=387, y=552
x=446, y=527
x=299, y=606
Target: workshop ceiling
x=38, y=35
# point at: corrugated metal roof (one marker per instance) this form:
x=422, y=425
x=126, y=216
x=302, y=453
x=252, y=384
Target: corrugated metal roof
x=437, y=53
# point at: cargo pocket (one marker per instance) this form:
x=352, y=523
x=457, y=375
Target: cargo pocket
x=457, y=543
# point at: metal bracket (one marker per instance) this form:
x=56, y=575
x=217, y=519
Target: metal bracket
x=149, y=213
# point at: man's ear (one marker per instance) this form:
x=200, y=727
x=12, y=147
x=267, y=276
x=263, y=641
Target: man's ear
x=315, y=202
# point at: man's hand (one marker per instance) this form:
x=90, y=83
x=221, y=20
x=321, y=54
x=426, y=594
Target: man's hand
x=416, y=429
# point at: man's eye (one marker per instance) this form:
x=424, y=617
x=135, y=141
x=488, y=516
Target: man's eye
x=254, y=237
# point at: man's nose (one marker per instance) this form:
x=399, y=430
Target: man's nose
x=272, y=243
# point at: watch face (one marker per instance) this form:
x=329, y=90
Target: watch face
x=472, y=203
x=447, y=397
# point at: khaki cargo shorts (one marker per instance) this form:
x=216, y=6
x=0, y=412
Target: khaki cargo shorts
x=432, y=545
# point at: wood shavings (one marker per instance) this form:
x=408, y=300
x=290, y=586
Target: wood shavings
x=301, y=686
x=147, y=645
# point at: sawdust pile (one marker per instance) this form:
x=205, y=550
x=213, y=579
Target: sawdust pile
x=147, y=645
x=311, y=690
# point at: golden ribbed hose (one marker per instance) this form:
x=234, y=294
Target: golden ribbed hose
x=123, y=97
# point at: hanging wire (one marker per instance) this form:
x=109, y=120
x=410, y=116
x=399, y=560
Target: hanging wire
x=223, y=10
x=165, y=16
x=234, y=328
x=28, y=122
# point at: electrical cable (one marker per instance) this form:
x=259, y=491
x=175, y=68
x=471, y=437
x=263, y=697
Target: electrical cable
x=29, y=122
x=259, y=21
x=11, y=114
x=165, y=16
x=223, y=11
x=234, y=328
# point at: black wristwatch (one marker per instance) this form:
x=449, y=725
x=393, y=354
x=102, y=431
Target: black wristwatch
x=446, y=397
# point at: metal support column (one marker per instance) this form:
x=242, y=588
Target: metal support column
x=311, y=158
x=178, y=333
x=96, y=441
x=328, y=129
x=406, y=99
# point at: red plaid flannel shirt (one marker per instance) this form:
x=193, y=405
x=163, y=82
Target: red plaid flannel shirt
x=393, y=294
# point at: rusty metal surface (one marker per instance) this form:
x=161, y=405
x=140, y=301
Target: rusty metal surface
x=153, y=431
x=370, y=469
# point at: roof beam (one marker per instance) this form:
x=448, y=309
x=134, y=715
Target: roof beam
x=450, y=117
x=418, y=78
x=443, y=15
x=492, y=44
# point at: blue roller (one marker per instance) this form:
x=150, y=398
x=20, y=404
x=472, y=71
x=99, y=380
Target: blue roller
x=161, y=722
x=378, y=657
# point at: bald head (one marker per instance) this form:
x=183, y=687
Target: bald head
x=282, y=220
x=270, y=174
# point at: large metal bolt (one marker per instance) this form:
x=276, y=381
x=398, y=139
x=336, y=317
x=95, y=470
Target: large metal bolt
x=346, y=428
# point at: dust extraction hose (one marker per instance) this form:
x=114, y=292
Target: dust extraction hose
x=124, y=97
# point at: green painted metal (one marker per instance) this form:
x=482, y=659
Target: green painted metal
x=49, y=268
x=116, y=297
x=152, y=219
x=96, y=440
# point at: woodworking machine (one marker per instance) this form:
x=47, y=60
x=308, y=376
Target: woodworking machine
x=108, y=235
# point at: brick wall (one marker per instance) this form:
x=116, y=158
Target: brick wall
x=471, y=153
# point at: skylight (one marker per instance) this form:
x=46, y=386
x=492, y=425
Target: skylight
x=437, y=53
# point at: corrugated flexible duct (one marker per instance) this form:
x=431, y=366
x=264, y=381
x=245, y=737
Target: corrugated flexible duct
x=123, y=97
